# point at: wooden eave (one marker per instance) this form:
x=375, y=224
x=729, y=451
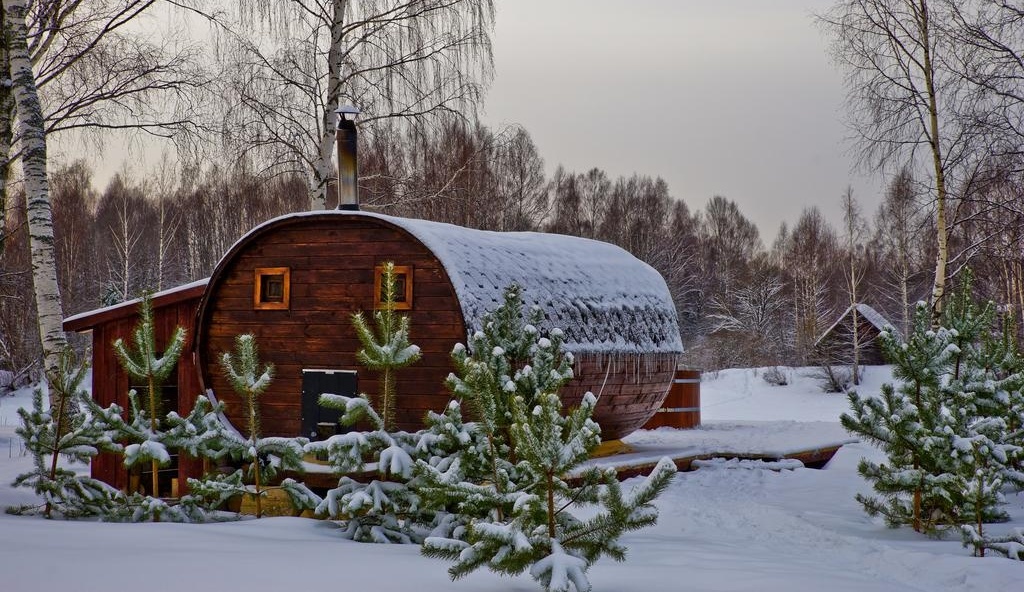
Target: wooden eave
x=88, y=320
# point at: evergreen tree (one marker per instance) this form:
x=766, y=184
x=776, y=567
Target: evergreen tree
x=150, y=435
x=381, y=510
x=946, y=426
x=387, y=509
x=510, y=478
x=77, y=435
x=385, y=347
x=904, y=423
x=983, y=398
x=143, y=364
x=242, y=371
x=203, y=434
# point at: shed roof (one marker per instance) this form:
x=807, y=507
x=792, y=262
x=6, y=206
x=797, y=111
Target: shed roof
x=870, y=315
x=603, y=298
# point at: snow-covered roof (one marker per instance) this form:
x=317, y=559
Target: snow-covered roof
x=870, y=315
x=603, y=298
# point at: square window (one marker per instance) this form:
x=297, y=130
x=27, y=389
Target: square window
x=272, y=288
x=403, y=287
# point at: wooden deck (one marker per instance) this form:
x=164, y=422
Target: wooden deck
x=628, y=465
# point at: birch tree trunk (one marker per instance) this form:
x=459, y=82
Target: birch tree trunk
x=323, y=166
x=6, y=126
x=856, y=234
x=32, y=135
x=942, y=232
x=899, y=56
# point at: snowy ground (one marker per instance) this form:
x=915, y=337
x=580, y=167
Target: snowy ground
x=721, y=529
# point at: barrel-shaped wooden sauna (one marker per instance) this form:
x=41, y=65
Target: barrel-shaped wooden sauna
x=295, y=281
x=681, y=408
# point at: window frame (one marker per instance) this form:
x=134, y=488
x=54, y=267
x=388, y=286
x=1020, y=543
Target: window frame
x=378, y=276
x=257, y=292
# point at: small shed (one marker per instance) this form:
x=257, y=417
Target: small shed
x=295, y=281
x=836, y=344
x=110, y=383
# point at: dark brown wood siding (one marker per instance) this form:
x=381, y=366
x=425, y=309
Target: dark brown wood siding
x=629, y=388
x=332, y=268
x=837, y=346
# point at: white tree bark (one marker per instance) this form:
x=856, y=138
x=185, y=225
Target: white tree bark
x=6, y=132
x=323, y=166
x=32, y=135
x=934, y=134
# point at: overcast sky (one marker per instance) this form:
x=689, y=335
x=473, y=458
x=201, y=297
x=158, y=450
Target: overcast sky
x=736, y=98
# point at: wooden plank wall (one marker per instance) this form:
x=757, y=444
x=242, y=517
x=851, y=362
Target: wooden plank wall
x=332, y=266
x=629, y=388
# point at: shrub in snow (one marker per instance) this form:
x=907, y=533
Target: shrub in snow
x=509, y=480
x=775, y=376
x=386, y=509
x=951, y=427
x=833, y=379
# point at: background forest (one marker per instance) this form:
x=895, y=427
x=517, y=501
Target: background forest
x=246, y=107
x=741, y=302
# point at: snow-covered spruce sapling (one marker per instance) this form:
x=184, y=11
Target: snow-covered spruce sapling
x=264, y=456
x=145, y=365
x=386, y=509
x=903, y=423
x=376, y=510
x=516, y=478
x=385, y=346
x=203, y=434
x=509, y=358
x=947, y=428
x=1009, y=545
x=983, y=399
x=50, y=434
x=249, y=381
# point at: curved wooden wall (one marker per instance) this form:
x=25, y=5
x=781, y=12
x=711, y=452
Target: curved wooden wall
x=332, y=261
x=332, y=264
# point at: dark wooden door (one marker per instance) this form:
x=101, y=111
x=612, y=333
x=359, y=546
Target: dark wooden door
x=319, y=422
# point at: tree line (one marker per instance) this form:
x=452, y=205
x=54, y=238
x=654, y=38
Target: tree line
x=741, y=302
x=934, y=101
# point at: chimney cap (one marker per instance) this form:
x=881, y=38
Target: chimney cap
x=346, y=113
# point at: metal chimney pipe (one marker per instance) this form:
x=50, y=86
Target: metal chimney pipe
x=347, y=138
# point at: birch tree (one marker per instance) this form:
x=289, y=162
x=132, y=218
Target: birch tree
x=31, y=131
x=854, y=232
x=293, y=62
x=898, y=226
x=96, y=71
x=904, y=93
